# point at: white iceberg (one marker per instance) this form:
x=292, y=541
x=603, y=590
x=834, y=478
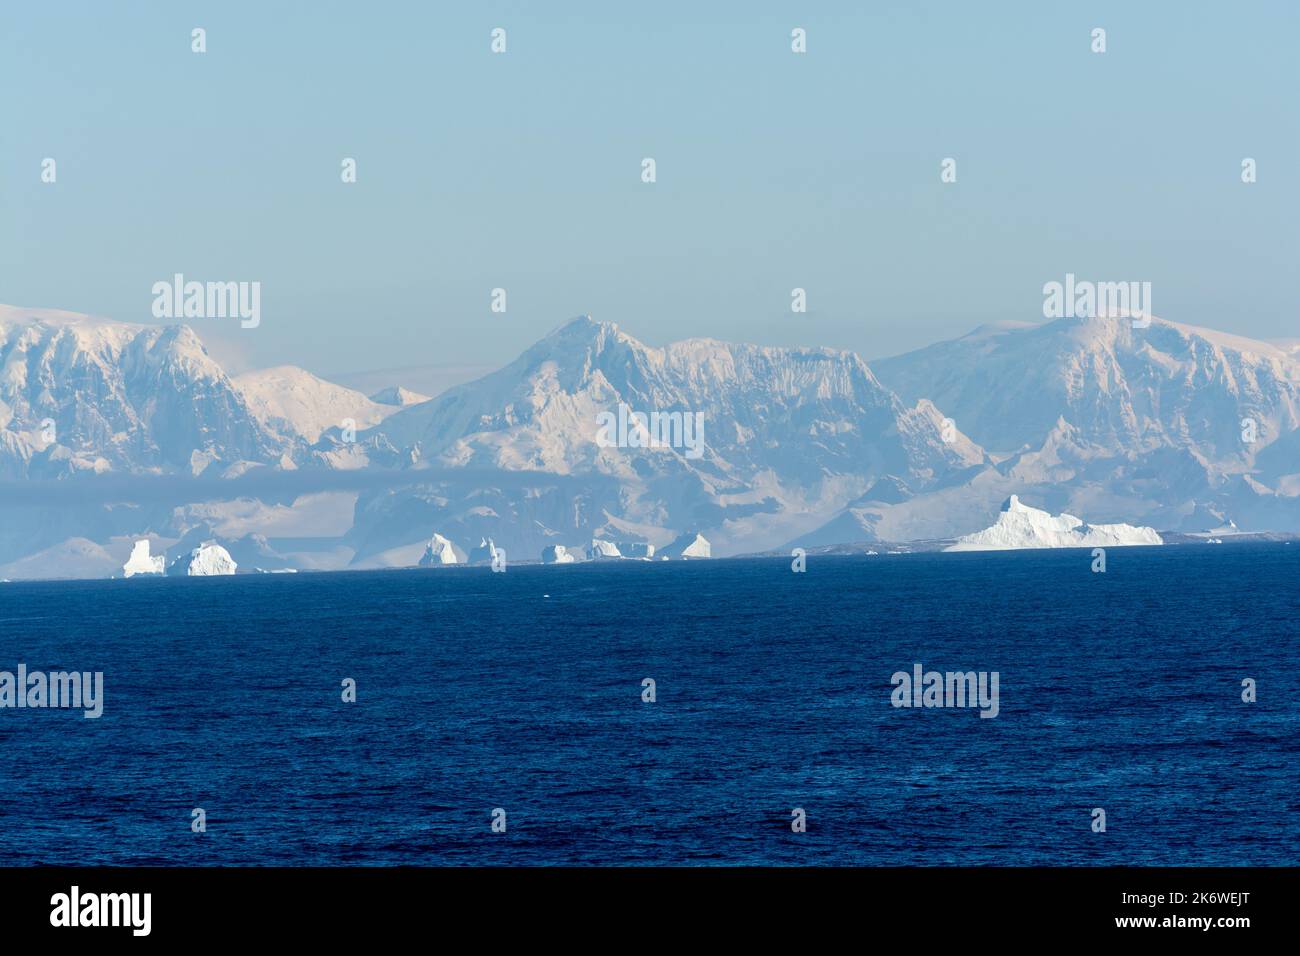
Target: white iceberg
x=207, y=559
x=690, y=545
x=439, y=552
x=484, y=553
x=636, y=549
x=603, y=549
x=141, y=562
x=1020, y=526
x=557, y=554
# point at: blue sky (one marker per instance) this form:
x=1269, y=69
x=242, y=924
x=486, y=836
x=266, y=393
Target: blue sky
x=522, y=170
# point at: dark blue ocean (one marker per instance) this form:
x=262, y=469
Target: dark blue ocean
x=522, y=690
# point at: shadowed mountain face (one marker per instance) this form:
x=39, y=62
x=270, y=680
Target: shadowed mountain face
x=591, y=433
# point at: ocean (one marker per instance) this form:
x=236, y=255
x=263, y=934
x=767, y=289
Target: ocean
x=517, y=697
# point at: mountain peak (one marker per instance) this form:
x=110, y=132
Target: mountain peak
x=396, y=395
x=584, y=325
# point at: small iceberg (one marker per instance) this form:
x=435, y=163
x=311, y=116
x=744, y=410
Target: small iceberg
x=207, y=559
x=603, y=549
x=1020, y=526
x=485, y=553
x=636, y=549
x=438, y=553
x=141, y=562
x=556, y=554
x=690, y=545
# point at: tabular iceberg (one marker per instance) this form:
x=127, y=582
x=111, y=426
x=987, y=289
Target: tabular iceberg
x=438, y=552
x=207, y=559
x=1020, y=526
x=141, y=562
x=603, y=549
x=636, y=549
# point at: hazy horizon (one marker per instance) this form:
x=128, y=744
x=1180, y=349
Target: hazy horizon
x=522, y=170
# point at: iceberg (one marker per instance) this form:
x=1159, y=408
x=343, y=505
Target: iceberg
x=207, y=559
x=1020, y=526
x=636, y=549
x=484, y=553
x=603, y=549
x=141, y=562
x=557, y=554
x=690, y=545
x=439, y=552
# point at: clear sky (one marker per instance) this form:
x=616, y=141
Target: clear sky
x=523, y=170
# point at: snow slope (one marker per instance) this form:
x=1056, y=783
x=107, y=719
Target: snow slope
x=298, y=404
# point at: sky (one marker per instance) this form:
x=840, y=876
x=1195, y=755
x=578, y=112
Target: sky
x=523, y=170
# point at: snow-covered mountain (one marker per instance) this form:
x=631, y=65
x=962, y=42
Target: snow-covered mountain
x=1122, y=388
x=788, y=437
x=396, y=395
x=747, y=446
x=84, y=395
x=1179, y=427
x=299, y=405
x=761, y=407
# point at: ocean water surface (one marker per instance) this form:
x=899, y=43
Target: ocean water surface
x=523, y=691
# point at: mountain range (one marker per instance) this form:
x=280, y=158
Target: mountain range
x=111, y=431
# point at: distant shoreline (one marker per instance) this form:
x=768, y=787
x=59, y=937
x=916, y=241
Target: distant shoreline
x=863, y=549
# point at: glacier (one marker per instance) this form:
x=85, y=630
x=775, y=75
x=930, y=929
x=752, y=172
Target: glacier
x=1020, y=526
